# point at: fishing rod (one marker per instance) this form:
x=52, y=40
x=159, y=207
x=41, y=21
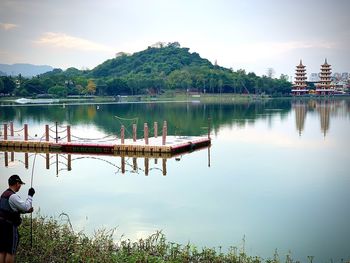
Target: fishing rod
x=31, y=186
x=31, y=214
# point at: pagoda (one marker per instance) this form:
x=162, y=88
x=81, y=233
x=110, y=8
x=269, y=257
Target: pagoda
x=299, y=87
x=324, y=87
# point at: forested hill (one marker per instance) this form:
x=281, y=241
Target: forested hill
x=153, y=61
x=167, y=67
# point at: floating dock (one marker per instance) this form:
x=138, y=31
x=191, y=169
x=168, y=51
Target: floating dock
x=150, y=146
x=174, y=145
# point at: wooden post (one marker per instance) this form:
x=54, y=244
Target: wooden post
x=122, y=134
x=146, y=166
x=69, y=162
x=5, y=131
x=68, y=134
x=209, y=156
x=209, y=124
x=134, y=163
x=6, y=159
x=164, y=166
x=47, y=135
x=56, y=163
x=164, y=133
x=26, y=132
x=47, y=161
x=11, y=129
x=123, y=164
x=134, y=129
x=155, y=129
x=56, y=133
x=26, y=160
x=145, y=132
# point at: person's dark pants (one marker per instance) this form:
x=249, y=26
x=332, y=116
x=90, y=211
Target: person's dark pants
x=9, y=237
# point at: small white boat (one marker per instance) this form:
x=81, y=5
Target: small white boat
x=36, y=101
x=22, y=100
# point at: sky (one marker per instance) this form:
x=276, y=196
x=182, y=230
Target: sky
x=253, y=35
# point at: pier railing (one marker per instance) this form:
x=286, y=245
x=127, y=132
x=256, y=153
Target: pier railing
x=58, y=133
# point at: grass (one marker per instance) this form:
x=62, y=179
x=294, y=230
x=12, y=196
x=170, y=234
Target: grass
x=55, y=241
x=169, y=96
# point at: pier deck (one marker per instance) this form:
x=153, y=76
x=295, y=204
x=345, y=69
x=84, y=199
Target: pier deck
x=173, y=145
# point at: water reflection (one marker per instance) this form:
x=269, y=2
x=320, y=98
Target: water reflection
x=324, y=108
x=65, y=161
x=194, y=117
x=300, y=115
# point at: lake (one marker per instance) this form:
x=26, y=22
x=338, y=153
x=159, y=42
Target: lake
x=275, y=177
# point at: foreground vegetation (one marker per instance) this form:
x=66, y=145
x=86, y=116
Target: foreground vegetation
x=53, y=241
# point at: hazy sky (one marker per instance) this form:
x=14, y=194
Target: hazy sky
x=250, y=34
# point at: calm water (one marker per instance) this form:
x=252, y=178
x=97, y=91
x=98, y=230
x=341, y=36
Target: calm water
x=276, y=175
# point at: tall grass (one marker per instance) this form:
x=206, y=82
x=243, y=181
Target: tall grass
x=54, y=241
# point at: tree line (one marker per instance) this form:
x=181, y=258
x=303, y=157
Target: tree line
x=167, y=67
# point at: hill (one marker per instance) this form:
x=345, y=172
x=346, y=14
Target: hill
x=166, y=67
x=26, y=70
x=152, y=61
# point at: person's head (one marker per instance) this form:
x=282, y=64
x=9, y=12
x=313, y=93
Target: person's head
x=15, y=182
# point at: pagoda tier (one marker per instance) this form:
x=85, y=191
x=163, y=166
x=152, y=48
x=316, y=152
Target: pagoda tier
x=324, y=87
x=299, y=87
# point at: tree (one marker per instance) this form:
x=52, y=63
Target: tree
x=34, y=86
x=58, y=91
x=2, y=87
x=117, y=86
x=270, y=73
x=9, y=85
x=284, y=77
x=179, y=79
x=91, y=87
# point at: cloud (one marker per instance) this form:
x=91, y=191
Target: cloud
x=7, y=26
x=252, y=52
x=61, y=40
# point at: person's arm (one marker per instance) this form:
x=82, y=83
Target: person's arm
x=18, y=205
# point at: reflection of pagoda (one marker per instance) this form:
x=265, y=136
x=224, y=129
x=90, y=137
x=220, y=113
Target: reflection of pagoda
x=324, y=109
x=299, y=87
x=324, y=87
x=300, y=115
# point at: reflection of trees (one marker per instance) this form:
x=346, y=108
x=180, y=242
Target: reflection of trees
x=185, y=118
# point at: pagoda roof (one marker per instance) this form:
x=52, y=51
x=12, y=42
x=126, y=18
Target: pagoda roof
x=325, y=63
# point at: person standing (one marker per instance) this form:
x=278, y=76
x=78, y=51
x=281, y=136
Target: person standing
x=11, y=208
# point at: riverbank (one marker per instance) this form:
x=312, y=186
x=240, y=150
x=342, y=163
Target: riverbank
x=54, y=241
x=167, y=97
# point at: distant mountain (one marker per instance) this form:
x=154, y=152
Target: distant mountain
x=26, y=70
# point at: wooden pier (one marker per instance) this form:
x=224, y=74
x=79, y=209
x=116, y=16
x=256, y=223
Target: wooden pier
x=117, y=145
